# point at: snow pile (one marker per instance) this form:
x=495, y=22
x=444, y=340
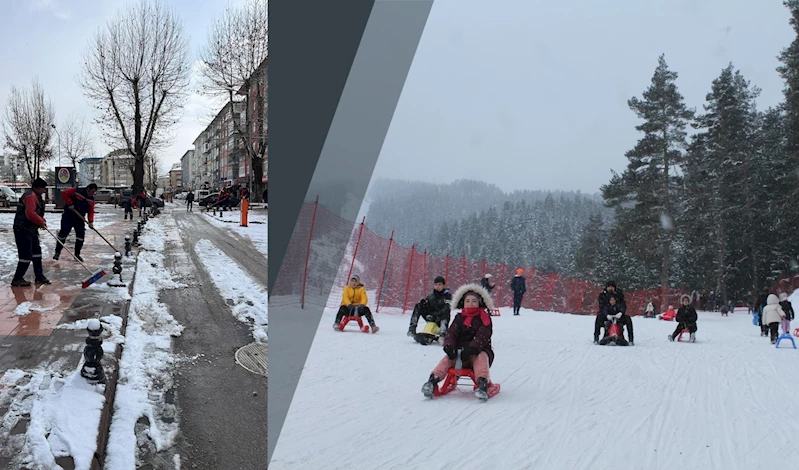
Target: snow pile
x=27, y=307
x=670, y=405
x=249, y=299
x=63, y=414
x=147, y=359
x=257, y=231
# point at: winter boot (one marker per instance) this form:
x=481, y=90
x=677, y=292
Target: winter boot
x=693, y=338
x=42, y=280
x=671, y=338
x=18, y=281
x=429, y=386
x=57, y=255
x=336, y=326
x=411, y=331
x=79, y=257
x=482, y=388
x=375, y=328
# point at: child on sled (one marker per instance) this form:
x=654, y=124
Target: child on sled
x=471, y=332
x=353, y=303
x=435, y=310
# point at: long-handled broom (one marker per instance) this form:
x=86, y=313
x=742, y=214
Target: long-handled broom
x=94, y=276
x=95, y=230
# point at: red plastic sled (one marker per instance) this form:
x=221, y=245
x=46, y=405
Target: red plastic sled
x=452, y=378
x=614, y=330
x=679, y=337
x=355, y=318
x=495, y=312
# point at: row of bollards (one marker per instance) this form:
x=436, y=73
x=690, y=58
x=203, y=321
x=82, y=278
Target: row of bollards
x=92, y=369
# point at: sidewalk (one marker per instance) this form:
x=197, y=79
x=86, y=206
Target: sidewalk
x=38, y=336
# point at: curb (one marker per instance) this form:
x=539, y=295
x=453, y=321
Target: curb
x=98, y=459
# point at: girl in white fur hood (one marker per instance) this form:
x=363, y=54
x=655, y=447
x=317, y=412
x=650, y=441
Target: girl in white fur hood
x=773, y=315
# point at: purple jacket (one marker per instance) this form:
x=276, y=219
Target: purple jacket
x=477, y=335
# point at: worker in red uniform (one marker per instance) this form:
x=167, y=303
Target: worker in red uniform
x=82, y=201
x=27, y=221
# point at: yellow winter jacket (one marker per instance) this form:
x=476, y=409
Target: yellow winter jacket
x=355, y=296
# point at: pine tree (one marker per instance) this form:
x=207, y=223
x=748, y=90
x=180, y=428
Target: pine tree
x=645, y=196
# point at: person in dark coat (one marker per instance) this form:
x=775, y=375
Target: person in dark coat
x=488, y=283
x=189, y=201
x=605, y=317
x=518, y=285
x=470, y=332
x=760, y=304
x=435, y=309
x=786, y=306
x=611, y=290
x=27, y=222
x=82, y=201
x=686, y=319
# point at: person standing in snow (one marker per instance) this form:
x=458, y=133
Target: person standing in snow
x=760, y=304
x=773, y=316
x=789, y=313
x=353, y=303
x=686, y=319
x=189, y=201
x=518, y=285
x=435, y=309
x=470, y=332
x=27, y=221
x=80, y=201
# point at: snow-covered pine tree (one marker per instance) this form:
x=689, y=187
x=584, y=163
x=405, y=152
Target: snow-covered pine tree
x=646, y=195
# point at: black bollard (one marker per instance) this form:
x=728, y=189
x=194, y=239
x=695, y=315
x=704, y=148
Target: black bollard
x=116, y=279
x=127, y=245
x=92, y=369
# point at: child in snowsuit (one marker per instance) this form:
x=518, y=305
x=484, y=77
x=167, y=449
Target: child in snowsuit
x=650, y=310
x=435, y=310
x=788, y=309
x=518, y=285
x=353, y=303
x=772, y=316
x=762, y=301
x=128, y=204
x=470, y=332
x=686, y=319
x=603, y=318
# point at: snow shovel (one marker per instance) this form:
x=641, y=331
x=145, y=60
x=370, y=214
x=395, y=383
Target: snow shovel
x=94, y=275
x=95, y=230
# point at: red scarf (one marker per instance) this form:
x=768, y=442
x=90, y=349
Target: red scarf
x=472, y=312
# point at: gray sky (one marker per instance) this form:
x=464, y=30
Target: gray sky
x=539, y=88
x=47, y=39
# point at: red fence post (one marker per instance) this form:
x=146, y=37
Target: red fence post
x=424, y=276
x=446, y=269
x=383, y=277
x=553, y=279
x=355, y=253
x=499, y=283
x=408, y=285
x=308, y=253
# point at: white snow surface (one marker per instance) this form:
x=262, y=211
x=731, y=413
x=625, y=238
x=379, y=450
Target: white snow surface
x=147, y=358
x=250, y=300
x=721, y=403
x=257, y=230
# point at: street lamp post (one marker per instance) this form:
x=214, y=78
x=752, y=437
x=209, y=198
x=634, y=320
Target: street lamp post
x=59, y=143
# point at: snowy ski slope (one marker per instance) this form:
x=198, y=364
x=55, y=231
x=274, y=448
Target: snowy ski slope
x=725, y=402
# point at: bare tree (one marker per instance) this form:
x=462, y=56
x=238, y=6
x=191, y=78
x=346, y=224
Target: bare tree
x=28, y=126
x=76, y=142
x=234, y=61
x=152, y=161
x=136, y=74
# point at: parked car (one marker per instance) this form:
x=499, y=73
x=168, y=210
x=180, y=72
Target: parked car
x=8, y=197
x=105, y=196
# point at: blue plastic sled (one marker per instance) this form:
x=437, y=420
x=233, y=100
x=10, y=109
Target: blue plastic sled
x=785, y=336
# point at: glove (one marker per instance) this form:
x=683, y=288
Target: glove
x=450, y=351
x=618, y=315
x=468, y=352
x=429, y=318
x=91, y=225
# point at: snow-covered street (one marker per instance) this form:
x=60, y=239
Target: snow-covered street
x=51, y=416
x=724, y=402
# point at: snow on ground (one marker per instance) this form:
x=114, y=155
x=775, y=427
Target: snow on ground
x=723, y=402
x=147, y=358
x=247, y=299
x=64, y=411
x=257, y=230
